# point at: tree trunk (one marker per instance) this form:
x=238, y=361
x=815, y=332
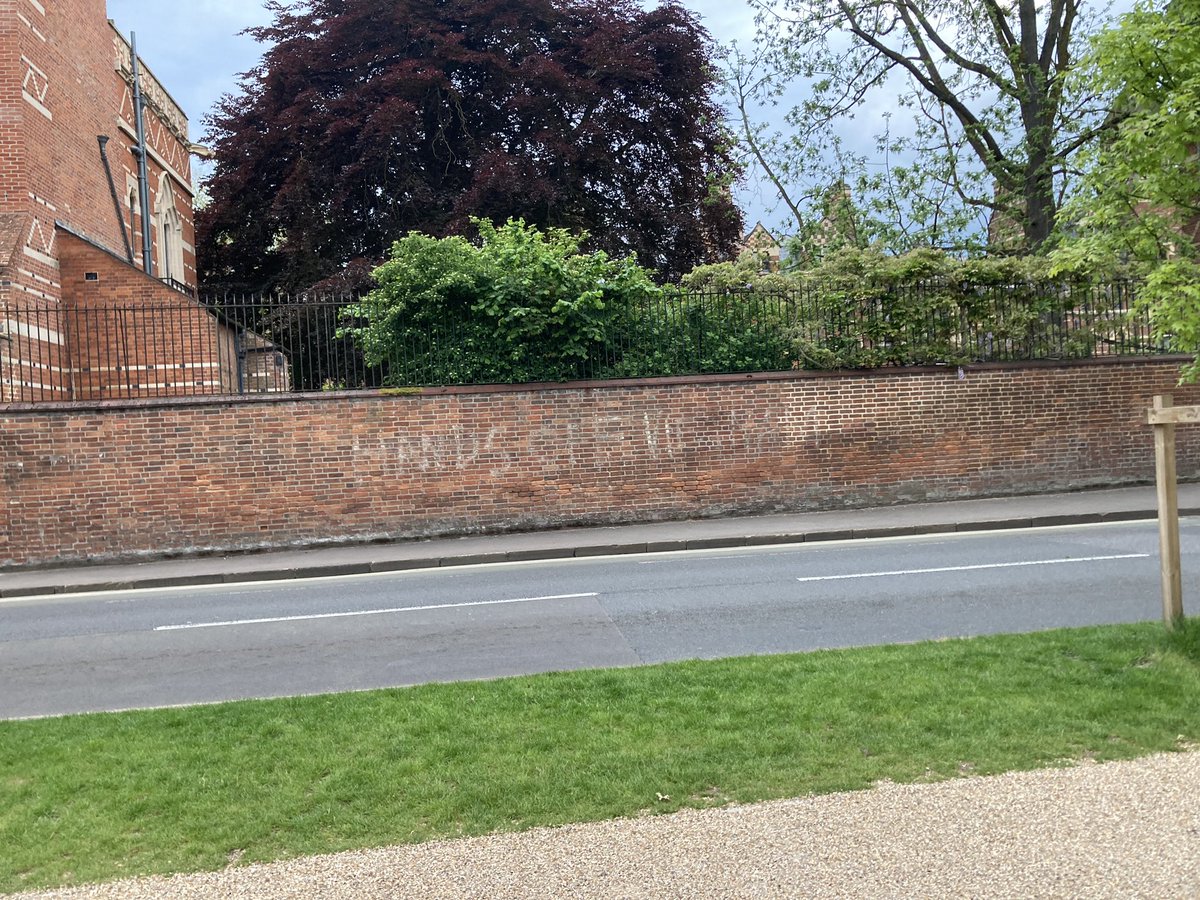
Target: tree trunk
x=1040, y=209
x=1038, y=119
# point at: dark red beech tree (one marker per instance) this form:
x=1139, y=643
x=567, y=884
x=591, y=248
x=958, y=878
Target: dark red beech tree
x=370, y=118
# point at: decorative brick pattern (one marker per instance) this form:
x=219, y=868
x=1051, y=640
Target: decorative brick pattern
x=39, y=243
x=64, y=82
x=35, y=88
x=104, y=480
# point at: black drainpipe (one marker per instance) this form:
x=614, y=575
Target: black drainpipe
x=140, y=151
x=112, y=188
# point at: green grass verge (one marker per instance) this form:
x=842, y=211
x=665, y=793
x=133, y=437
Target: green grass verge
x=89, y=798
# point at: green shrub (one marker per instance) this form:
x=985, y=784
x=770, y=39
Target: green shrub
x=862, y=308
x=522, y=305
x=684, y=333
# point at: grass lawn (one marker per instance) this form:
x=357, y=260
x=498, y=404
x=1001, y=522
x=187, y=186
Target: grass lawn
x=97, y=797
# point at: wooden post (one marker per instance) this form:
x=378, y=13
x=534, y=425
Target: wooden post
x=1168, y=512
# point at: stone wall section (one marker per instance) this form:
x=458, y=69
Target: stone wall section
x=99, y=481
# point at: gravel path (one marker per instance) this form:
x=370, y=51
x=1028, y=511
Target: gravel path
x=1120, y=830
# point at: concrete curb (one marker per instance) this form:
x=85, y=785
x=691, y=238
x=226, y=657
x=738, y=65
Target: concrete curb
x=269, y=573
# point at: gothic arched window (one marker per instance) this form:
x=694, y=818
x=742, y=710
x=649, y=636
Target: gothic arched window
x=170, y=233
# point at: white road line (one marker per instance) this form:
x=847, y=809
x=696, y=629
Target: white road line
x=1008, y=565
x=366, y=612
x=722, y=557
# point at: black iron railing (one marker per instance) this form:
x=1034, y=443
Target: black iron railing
x=179, y=286
x=235, y=345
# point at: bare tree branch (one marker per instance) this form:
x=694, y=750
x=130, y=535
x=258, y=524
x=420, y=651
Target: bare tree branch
x=986, y=81
x=741, y=76
x=953, y=55
x=927, y=75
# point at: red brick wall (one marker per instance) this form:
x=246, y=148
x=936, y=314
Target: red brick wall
x=101, y=481
x=60, y=88
x=62, y=84
x=12, y=157
x=131, y=335
x=170, y=156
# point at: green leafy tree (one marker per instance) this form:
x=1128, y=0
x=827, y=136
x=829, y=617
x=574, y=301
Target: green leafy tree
x=521, y=305
x=997, y=121
x=837, y=224
x=746, y=273
x=925, y=307
x=1141, y=196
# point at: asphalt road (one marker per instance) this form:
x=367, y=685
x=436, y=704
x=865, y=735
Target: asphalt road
x=191, y=645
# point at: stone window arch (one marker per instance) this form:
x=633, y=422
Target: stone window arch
x=135, y=228
x=169, y=233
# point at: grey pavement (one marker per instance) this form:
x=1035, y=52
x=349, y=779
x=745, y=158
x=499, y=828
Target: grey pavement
x=1038, y=510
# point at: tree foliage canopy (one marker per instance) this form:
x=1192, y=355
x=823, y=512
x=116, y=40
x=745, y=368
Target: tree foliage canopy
x=370, y=118
x=997, y=122
x=1141, y=196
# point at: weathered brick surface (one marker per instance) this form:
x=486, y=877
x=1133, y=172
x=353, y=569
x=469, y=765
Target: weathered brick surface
x=65, y=78
x=114, y=316
x=99, y=481
x=66, y=83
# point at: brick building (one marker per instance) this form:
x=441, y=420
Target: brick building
x=764, y=245
x=71, y=247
